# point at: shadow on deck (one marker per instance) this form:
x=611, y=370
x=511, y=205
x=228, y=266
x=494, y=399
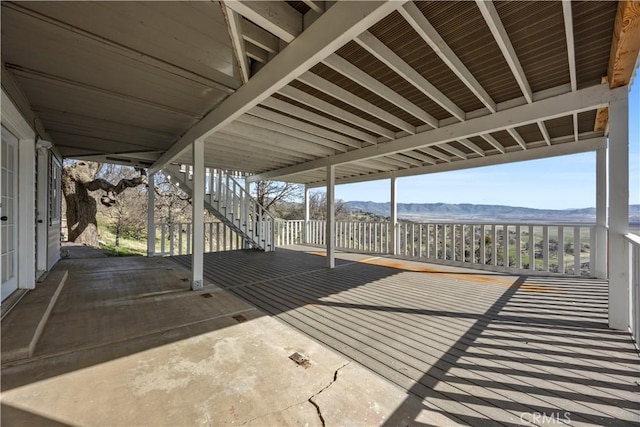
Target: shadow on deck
x=478, y=348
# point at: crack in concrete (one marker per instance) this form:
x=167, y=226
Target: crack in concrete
x=310, y=400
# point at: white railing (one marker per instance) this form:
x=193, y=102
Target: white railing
x=634, y=276
x=175, y=239
x=553, y=248
x=356, y=236
x=519, y=248
x=290, y=232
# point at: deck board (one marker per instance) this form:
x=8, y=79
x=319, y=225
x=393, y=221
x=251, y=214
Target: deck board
x=479, y=347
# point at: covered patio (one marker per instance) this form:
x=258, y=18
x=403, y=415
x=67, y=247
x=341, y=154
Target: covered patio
x=429, y=327
x=525, y=346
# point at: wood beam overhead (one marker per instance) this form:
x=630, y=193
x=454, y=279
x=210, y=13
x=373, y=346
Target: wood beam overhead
x=429, y=34
x=625, y=43
x=388, y=57
x=305, y=127
x=285, y=107
x=234, y=27
x=347, y=97
x=336, y=27
x=623, y=57
x=337, y=112
x=571, y=51
x=347, y=69
x=274, y=16
x=559, y=106
x=582, y=146
x=259, y=37
x=490, y=14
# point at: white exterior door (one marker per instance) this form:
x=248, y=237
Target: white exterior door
x=8, y=220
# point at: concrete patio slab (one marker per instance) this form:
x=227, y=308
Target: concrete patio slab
x=128, y=344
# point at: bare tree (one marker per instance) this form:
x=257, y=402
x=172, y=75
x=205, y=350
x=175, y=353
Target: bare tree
x=78, y=180
x=318, y=207
x=270, y=193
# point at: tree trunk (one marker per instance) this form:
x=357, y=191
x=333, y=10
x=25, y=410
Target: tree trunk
x=77, y=181
x=81, y=212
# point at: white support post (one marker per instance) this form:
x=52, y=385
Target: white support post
x=151, y=225
x=306, y=215
x=619, y=262
x=394, y=217
x=330, y=240
x=245, y=214
x=26, y=214
x=600, y=268
x=197, y=216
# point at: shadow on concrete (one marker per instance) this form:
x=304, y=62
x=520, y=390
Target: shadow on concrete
x=477, y=350
x=12, y=416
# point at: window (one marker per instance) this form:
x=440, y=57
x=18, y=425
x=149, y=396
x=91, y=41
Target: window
x=55, y=171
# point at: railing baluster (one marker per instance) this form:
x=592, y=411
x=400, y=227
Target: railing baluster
x=518, y=247
x=179, y=239
x=561, y=249
x=483, y=245
x=189, y=249
x=162, y=239
x=545, y=248
x=576, y=251
x=592, y=251
x=532, y=248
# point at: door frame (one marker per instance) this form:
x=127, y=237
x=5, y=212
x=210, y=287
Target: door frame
x=11, y=285
x=15, y=122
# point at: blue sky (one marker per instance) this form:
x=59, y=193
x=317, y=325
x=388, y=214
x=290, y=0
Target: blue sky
x=556, y=183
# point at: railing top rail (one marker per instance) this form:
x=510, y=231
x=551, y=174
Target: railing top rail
x=633, y=238
x=521, y=223
x=471, y=222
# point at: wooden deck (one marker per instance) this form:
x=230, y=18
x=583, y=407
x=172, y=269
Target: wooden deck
x=479, y=348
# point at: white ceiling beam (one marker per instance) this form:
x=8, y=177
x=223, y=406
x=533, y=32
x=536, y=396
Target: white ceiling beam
x=256, y=157
x=515, y=135
x=550, y=108
x=435, y=153
x=344, y=67
x=419, y=156
x=337, y=112
x=234, y=28
x=263, y=113
x=242, y=141
x=378, y=49
x=259, y=37
x=544, y=132
x=318, y=119
x=490, y=14
x=571, y=52
x=453, y=150
x=471, y=146
x=429, y=34
x=396, y=160
x=276, y=17
x=256, y=53
x=347, y=97
x=278, y=127
x=494, y=142
x=273, y=137
x=315, y=5
x=582, y=146
x=336, y=27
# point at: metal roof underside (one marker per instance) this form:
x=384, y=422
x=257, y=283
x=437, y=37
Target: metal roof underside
x=123, y=81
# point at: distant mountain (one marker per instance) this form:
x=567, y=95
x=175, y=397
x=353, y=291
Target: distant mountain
x=466, y=211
